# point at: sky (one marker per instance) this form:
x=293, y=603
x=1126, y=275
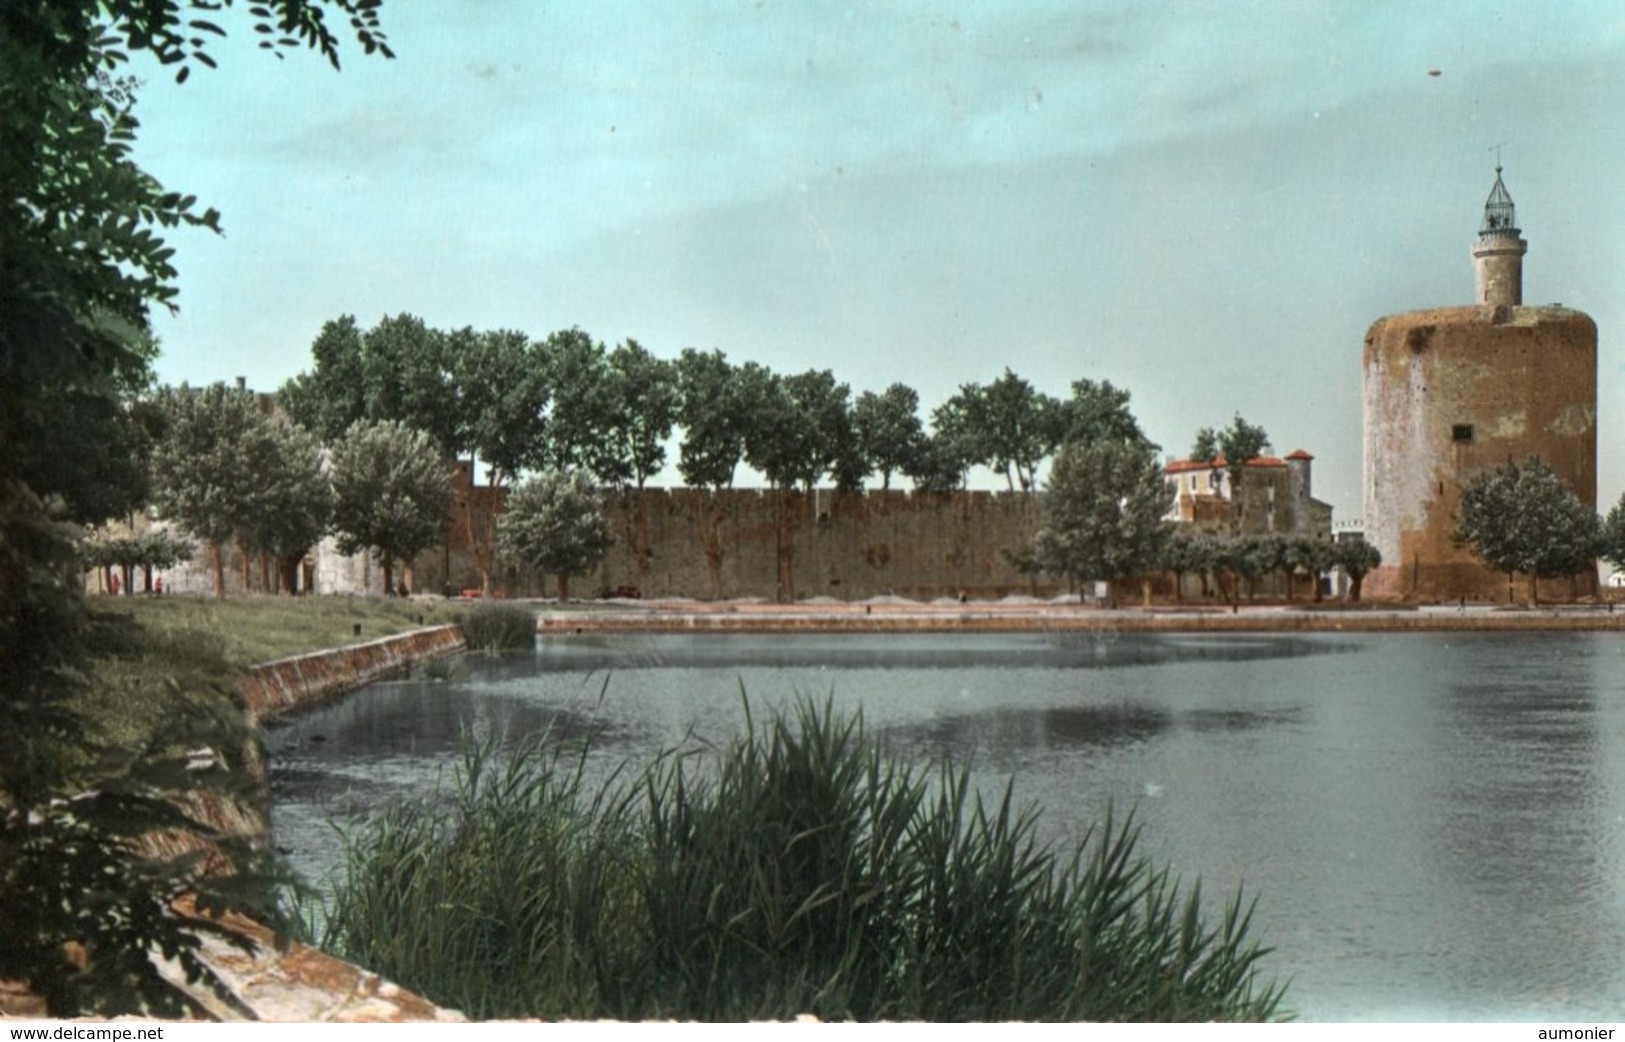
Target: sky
x=1204, y=203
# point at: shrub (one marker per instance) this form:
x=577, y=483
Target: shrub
x=499, y=627
x=801, y=869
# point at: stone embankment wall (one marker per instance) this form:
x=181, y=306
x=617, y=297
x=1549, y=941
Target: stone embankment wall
x=271, y=689
x=1050, y=619
x=292, y=983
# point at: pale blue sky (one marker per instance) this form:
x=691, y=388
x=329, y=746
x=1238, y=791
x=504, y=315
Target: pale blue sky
x=1206, y=203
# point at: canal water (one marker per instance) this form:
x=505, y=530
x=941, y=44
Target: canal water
x=1434, y=824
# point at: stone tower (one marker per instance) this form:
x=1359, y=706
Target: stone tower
x=1498, y=251
x=1453, y=392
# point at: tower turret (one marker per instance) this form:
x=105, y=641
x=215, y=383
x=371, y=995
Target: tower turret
x=1498, y=251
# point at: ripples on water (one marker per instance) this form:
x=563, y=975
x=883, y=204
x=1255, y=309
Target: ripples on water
x=1433, y=823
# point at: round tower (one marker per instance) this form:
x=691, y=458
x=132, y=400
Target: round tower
x=1451, y=393
x=1498, y=251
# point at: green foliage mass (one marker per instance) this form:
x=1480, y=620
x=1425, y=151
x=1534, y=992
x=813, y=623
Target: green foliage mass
x=555, y=523
x=204, y=471
x=1103, y=512
x=1611, y=535
x=499, y=627
x=800, y=428
x=714, y=410
x=889, y=431
x=391, y=491
x=224, y=469
x=155, y=548
x=83, y=259
x=643, y=390
x=1522, y=517
x=800, y=869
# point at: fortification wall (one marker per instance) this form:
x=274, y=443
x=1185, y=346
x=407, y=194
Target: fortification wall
x=756, y=543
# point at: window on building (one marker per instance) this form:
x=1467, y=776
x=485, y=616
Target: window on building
x=1461, y=432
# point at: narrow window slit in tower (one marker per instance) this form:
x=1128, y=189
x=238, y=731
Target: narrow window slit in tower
x=1461, y=432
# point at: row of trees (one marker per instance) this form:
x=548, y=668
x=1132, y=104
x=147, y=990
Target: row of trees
x=113, y=551
x=227, y=470
x=569, y=403
x=566, y=403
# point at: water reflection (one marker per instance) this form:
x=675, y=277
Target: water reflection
x=1099, y=648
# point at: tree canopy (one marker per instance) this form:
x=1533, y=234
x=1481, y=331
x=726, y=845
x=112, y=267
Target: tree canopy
x=554, y=523
x=889, y=433
x=1103, y=512
x=800, y=426
x=1522, y=517
x=207, y=467
x=643, y=400
x=714, y=411
x=1358, y=558
x=391, y=492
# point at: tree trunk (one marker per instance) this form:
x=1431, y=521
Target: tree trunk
x=217, y=565
x=711, y=542
x=1534, y=590
x=1145, y=592
x=564, y=588
x=1355, y=582
x=288, y=567
x=481, y=531
x=389, y=575
x=409, y=574
x=129, y=579
x=146, y=578
x=265, y=572
x=786, y=550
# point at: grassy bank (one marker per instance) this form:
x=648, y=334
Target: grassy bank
x=162, y=667
x=802, y=869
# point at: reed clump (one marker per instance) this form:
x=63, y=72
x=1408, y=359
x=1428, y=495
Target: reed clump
x=499, y=627
x=800, y=869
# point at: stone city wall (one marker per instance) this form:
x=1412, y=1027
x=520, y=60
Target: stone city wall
x=757, y=543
